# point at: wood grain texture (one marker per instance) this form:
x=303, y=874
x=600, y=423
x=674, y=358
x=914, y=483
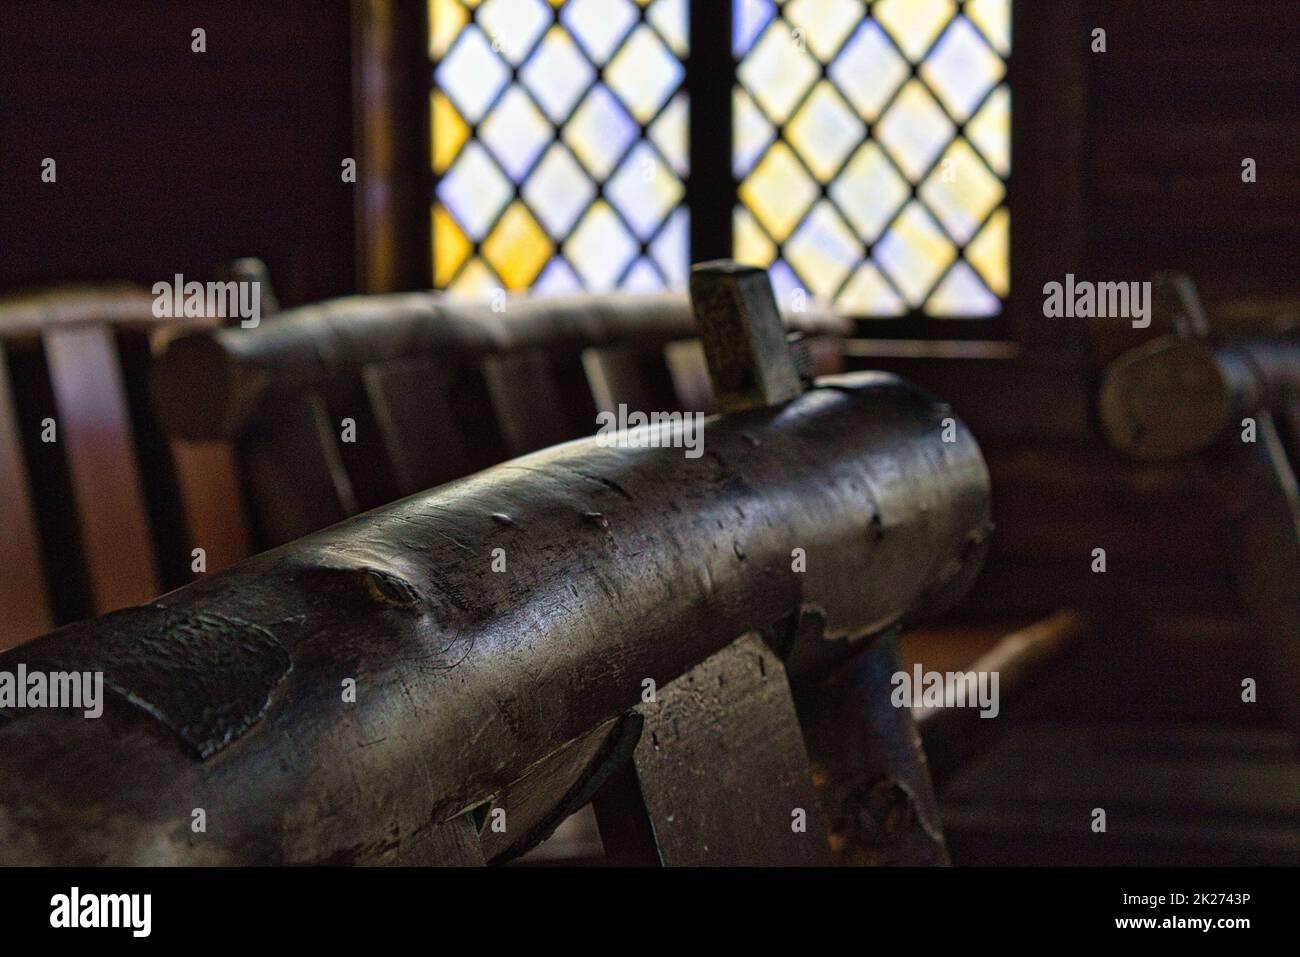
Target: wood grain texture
x=27, y=609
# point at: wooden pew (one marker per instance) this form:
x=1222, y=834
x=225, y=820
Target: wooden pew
x=1232, y=404
x=90, y=491
x=432, y=388
x=511, y=697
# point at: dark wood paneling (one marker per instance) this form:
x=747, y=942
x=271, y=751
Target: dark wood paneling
x=173, y=161
x=1184, y=93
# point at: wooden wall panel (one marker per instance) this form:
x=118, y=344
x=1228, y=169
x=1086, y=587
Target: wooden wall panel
x=1184, y=92
x=175, y=161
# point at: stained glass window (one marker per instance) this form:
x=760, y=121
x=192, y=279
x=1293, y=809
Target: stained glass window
x=872, y=144
x=559, y=142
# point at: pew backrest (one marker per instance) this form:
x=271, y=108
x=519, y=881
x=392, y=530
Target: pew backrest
x=92, y=495
x=346, y=405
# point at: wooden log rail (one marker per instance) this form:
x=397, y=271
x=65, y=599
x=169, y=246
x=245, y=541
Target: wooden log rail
x=1236, y=403
x=512, y=697
x=210, y=386
x=437, y=389
x=1176, y=396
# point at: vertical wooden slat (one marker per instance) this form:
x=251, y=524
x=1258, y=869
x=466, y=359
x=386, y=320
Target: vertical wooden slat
x=435, y=419
x=540, y=400
x=26, y=606
x=690, y=374
x=632, y=376
x=95, y=426
x=364, y=456
x=295, y=475
x=58, y=531
x=215, y=516
x=153, y=454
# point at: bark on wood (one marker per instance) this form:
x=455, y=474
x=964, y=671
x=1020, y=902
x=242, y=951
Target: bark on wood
x=621, y=564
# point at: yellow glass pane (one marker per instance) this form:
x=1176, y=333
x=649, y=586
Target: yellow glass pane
x=825, y=131
x=990, y=130
x=446, y=17
x=914, y=24
x=914, y=130
x=961, y=191
x=993, y=17
x=915, y=253
x=752, y=247
x=869, y=294
x=449, y=131
x=823, y=25
x=779, y=191
x=823, y=251
x=989, y=252
x=518, y=247
x=961, y=295
x=475, y=281
x=450, y=246
x=778, y=71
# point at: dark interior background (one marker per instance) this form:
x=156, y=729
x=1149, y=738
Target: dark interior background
x=171, y=161
x=1124, y=163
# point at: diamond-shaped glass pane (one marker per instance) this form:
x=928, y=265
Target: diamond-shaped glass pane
x=560, y=143
x=823, y=250
x=472, y=74
x=558, y=191
x=643, y=73
x=779, y=191
x=869, y=191
x=778, y=71
x=474, y=189
x=914, y=129
x=962, y=68
x=914, y=24
x=914, y=252
x=869, y=70
x=644, y=189
x=517, y=248
x=825, y=131
x=557, y=74
x=600, y=132
x=840, y=108
x=516, y=132
x=599, y=25
x=600, y=248
x=823, y=24
x=513, y=26
x=961, y=191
